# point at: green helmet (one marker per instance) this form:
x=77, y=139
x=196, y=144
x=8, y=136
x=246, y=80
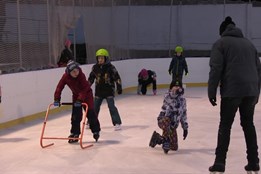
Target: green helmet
x=102, y=52
x=178, y=49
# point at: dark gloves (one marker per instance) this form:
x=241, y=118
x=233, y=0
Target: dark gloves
x=185, y=134
x=213, y=101
x=77, y=103
x=169, y=72
x=57, y=102
x=0, y=99
x=119, y=89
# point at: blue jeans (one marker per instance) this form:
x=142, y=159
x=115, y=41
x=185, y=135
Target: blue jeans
x=112, y=108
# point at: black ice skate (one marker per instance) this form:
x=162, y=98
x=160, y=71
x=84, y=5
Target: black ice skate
x=217, y=169
x=252, y=168
x=73, y=136
x=96, y=136
x=155, y=139
x=166, y=146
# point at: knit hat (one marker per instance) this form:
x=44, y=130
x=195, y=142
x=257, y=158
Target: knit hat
x=71, y=66
x=180, y=91
x=224, y=24
x=174, y=83
x=144, y=73
x=67, y=43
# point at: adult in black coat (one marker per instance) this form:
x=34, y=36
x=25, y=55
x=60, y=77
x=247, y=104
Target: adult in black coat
x=235, y=68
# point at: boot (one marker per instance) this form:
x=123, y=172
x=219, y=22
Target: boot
x=73, y=136
x=217, y=167
x=155, y=139
x=252, y=167
x=96, y=136
x=166, y=146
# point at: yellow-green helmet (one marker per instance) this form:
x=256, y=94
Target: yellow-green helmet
x=178, y=49
x=102, y=52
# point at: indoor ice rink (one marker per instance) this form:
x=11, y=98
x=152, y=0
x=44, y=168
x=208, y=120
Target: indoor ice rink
x=126, y=151
x=138, y=34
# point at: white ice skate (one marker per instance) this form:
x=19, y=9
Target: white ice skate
x=252, y=172
x=117, y=127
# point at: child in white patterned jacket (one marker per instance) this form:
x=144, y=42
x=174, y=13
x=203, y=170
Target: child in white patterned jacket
x=173, y=112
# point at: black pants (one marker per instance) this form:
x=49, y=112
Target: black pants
x=177, y=77
x=76, y=119
x=145, y=85
x=229, y=107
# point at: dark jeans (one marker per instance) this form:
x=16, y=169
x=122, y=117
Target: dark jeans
x=145, y=85
x=76, y=119
x=178, y=78
x=229, y=107
x=112, y=108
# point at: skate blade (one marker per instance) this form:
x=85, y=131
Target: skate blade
x=252, y=172
x=216, y=172
x=166, y=151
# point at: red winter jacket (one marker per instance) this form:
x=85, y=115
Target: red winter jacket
x=79, y=86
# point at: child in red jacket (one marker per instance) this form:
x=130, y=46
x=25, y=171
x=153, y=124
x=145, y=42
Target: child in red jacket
x=82, y=93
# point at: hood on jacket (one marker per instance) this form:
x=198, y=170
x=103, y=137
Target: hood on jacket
x=233, y=31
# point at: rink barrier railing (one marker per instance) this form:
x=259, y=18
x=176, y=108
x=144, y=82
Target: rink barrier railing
x=41, y=115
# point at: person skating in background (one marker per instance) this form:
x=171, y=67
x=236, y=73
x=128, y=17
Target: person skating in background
x=66, y=54
x=106, y=76
x=146, y=78
x=235, y=67
x=75, y=79
x=178, y=65
x=173, y=112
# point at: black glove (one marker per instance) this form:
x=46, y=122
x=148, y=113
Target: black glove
x=57, y=102
x=119, y=89
x=185, y=134
x=77, y=103
x=0, y=99
x=213, y=101
x=169, y=72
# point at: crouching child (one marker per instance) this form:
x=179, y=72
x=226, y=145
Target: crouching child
x=173, y=112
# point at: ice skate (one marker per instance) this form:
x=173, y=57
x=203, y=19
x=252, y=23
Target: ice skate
x=252, y=172
x=217, y=169
x=73, y=136
x=166, y=146
x=117, y=127
x=96, y=136
x=252, y=168
x=155, y=139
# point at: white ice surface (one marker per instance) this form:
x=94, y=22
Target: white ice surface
x=125, y=151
